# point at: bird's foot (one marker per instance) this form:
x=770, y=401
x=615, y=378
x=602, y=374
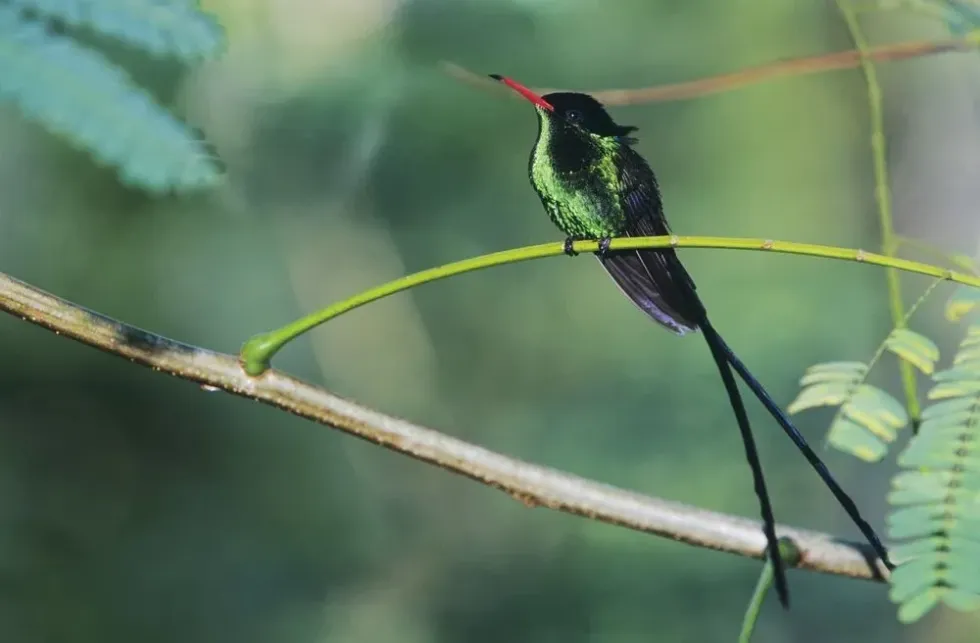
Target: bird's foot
x=569, y=248
x=603, y=247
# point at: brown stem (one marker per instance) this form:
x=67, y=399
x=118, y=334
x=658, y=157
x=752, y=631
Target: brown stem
x=749, y=76
x=531, y=484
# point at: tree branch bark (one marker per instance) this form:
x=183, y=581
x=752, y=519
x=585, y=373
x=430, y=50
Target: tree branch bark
x=531, y=484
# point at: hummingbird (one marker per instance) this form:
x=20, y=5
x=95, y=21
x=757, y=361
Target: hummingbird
x=594, y=185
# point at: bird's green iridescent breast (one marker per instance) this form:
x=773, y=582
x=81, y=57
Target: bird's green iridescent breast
x=580, y=191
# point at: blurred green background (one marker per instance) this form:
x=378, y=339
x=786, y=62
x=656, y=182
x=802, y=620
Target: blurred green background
x=136, y=507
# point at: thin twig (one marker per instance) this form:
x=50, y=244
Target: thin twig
x=531, y=484
x=744, y=77
x=258, y=351
x=883, y=195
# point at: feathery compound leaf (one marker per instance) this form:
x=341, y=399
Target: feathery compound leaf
x=868, y=421
x=834, y=372
x=936, y=509
x=868, y=418
x=972, y=336
x=853, y=438
x=821, y=394
x=963, y=300
x=918, y=350
x=79, y=94
x=163, y=28
x=961, y=17
x=827, y=384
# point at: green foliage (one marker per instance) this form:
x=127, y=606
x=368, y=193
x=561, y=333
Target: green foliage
x=961, y=303
x=961, y=17
x=868, y=419
x=935, y=502
x=79, y=94
x=916, y=349
x=170, y=28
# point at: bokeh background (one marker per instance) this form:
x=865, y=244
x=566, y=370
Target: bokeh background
x=136, y=507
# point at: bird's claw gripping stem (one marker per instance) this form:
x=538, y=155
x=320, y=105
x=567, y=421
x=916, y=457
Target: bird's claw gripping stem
x=603, y=247
x=569, y=248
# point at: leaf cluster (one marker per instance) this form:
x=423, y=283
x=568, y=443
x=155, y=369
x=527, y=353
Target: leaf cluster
x=935, y=514
x=78, y=93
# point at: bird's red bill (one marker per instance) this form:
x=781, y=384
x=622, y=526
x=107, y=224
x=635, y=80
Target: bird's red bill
x=524, y=91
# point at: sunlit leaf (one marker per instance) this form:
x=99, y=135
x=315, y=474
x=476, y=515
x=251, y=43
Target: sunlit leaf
x=915, y=608
x=936, y=499
x=869, y=419
x=853, y=438
x=968, y=355
x=823, y=394
x=945, y=408
x=856, y=368
x=884, y=405
x=956, y=388
x=914, y=348
x=972, y=337
x=963, y=300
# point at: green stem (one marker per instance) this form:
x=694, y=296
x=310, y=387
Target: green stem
x=258, y=351
x=877, y=356
x=889, y=241
x=790, y=554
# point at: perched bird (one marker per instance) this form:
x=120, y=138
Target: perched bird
x=595, y=185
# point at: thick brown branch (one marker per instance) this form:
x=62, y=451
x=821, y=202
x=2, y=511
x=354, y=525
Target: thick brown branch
x=529, y=483
x=749, y=76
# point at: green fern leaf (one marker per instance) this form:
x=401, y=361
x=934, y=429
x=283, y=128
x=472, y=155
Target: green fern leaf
x=918, y=350
x=914, y=549
x=868, y=418
x=80, y=95
x=944, y=409
x=855, y=439
x=972, y=337
x=827, y=384
x=868, y=421
x=172, y=28
x=954, y=388
x=821, y=394
x=872, y=407
x=834, y=372
x=963, y=300
x=919, y=605
x=968, y=355
x=935, y=499
x=961, y=371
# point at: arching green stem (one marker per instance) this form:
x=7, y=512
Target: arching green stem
x=258, y=351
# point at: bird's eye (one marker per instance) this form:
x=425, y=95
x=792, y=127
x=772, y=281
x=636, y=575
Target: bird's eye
x=573, y=116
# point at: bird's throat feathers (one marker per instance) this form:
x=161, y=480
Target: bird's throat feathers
x=576, y=174
x=571, y=147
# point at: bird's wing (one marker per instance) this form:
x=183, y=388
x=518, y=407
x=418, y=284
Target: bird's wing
x=654, y=279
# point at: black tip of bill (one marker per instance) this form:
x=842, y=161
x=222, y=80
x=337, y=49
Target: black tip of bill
x=496, y=76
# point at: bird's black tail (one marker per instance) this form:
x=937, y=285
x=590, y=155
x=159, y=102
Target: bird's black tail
x=794, y=434
x=723, y=357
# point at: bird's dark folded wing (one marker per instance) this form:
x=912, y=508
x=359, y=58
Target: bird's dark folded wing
x=655, y=280
x=631, y=273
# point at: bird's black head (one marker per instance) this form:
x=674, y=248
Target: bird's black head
x=577, y=110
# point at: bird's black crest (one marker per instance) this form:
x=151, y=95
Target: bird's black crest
x=588, y=113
